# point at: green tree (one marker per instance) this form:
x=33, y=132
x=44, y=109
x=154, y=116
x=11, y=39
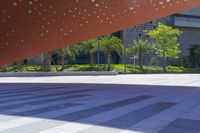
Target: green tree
x=90, y=47
x=165, y=42
x=195, y=55
x=197, y=51
x=111, y=44
x=18, y=65
x=140, y=48
x=3, y=68
x=68, y=52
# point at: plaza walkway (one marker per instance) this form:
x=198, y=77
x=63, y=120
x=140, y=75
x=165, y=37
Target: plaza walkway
x=100, y=104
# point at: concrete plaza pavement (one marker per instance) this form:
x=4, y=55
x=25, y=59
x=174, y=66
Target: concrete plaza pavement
x=155, y=103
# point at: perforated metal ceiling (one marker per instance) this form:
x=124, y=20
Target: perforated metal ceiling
x=30, y=27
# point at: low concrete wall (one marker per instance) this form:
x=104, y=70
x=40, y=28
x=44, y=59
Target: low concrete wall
x=23, y=74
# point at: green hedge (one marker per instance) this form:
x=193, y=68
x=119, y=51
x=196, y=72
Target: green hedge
x=119, y=68
x=34, y=68
x=192, y=70
x=175, y=69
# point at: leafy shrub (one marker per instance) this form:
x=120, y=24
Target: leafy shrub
x=34, y=68
x=130, y=69
x=192, y=70
x=3, y=69
x=175, y=69
x=153, y=70
x=154, y=62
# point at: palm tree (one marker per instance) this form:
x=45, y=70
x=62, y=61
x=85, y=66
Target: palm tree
x=68, y=52
x=140, y=48
x=47, y=62
x=90, y=47
x=111, y=44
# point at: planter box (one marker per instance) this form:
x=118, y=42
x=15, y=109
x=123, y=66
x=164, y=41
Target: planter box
x=23, y=74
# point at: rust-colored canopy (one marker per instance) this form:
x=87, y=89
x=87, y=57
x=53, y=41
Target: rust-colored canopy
x=30, y=27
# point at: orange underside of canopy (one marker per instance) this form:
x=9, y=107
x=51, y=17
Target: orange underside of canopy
x=31, y=27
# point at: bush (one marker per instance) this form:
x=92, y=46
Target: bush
x=175, y=69
x=154, y=62
x=130, y=69
x=34, y=68
x=192, y=70
x=153, y=70
x=136, y=69
x=3, y=69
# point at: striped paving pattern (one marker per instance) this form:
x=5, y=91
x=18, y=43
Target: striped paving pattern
x=98, y=108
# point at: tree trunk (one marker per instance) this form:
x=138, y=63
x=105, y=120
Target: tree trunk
x=164, y=63
x=92, y=59
x=47, y=62
x=141, y=62
x=105, y=63
x=109, y=61
x=62, y=62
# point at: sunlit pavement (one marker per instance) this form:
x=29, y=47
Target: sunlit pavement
x=159, y=103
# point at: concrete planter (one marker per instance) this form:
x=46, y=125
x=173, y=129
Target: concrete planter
x=88, y=73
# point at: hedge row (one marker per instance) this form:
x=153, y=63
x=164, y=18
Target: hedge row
x=119, y=68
